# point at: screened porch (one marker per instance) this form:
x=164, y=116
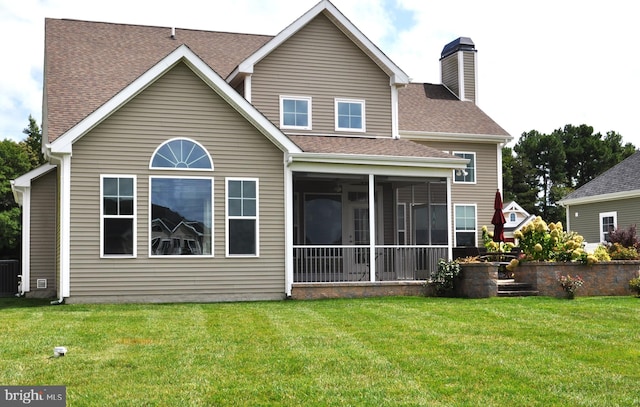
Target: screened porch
x=349, y=228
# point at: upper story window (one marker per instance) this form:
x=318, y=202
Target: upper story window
x=181, y=154
x=295, y=112
x=350, y=115
x=512, y=217
x=468, y=175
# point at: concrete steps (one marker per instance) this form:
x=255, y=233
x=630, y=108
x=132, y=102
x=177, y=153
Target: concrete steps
x=509, y=288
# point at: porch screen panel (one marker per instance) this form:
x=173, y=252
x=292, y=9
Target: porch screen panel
x=323, y=219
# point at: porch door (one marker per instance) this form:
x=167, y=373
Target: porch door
x=356, y=231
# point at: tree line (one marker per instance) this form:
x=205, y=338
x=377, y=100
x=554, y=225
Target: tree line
x=541, y=169
x=16, y=159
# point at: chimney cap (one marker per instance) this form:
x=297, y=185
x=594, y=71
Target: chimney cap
x=459, y=44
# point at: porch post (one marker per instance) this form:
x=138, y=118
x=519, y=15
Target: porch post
x=372, y=228
x=450, y=216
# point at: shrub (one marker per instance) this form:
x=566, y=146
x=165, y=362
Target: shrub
x=619, y=252
x=634, y=285
x=601, y=253
x=540, y=241
x=625, y=237
x=442, y=280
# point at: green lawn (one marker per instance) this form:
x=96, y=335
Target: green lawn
x=533, y=351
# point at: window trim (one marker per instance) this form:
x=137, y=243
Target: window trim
x=133, y=217
x=151, y=167
x=361, y=102
x=601, y=217
x=227, y=217
x=475, y=168
x=309, y=110
x=455, y=224
x=149, y=226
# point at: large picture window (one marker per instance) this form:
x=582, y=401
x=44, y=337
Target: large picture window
x=465, y=218
x=242, y=217
x=118, y=226
x=181, y=216
x=295, y=112
x=350, y=115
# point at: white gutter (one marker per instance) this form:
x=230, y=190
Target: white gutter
x=395, y=161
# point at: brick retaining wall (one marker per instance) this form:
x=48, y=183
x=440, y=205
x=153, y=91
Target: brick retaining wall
x=603, y=278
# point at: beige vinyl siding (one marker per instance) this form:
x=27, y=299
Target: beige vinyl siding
x=483, y=192
x=469, y=75
x=43, y=232
x=587, y=223
x=177, y=105
x=449, y=68
x=322, y=63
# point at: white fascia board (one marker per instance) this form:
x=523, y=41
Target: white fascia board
x=398, y=77
x=25, y=179
x=447, y=164
x=62, y=145
x=601, y=198
x=465, y=137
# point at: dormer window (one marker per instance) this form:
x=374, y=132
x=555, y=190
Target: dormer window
x=512, y=217
x=350, y=115
x=295, y=112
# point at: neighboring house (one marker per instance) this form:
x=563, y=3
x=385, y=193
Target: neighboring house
x=516, y=218
x=607, y=202
x=190, y=165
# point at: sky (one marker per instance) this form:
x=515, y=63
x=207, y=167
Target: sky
x=541, y=65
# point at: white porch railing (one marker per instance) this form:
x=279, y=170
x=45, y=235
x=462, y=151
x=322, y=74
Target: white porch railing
x=328, y=264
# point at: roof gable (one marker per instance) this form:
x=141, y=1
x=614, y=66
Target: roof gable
x=64, y=143
x=325, y=7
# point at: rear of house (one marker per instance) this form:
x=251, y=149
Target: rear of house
x=314, y=161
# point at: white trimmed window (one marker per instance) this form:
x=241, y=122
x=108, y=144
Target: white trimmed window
x=181, y=207
x=118, y=213
x=295, y=112
x=350, y=115
x=608, y=223
x=468, y=175
x=465, y=225
x=242, y=217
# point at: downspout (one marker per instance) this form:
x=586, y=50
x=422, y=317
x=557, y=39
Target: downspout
x=450, y=215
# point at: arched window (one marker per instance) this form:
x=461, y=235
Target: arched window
x=181, y=205
x=181, y=153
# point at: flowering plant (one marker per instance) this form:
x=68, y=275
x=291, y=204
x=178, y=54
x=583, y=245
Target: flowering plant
x=570, y=284
x=540, y=241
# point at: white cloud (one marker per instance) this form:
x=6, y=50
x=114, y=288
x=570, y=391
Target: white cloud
x=540, y=65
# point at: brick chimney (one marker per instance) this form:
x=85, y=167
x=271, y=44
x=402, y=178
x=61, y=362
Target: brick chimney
x=458, y=68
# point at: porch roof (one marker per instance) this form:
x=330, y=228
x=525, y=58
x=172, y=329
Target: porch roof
x=366, y=146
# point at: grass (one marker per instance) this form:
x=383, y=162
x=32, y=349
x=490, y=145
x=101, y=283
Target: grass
x=411, y=351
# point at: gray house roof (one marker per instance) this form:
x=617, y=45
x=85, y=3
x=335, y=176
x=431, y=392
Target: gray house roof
x=620, y=180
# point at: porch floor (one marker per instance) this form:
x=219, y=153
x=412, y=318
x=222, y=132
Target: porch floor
x=360, y=289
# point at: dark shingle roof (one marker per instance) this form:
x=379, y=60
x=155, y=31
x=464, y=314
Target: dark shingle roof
x=426, y=107
x=88, y=63
x=622, y=177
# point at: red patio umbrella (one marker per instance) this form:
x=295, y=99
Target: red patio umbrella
x=498, y=219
